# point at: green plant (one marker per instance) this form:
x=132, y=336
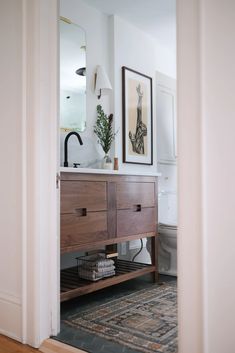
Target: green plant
x=103, y=129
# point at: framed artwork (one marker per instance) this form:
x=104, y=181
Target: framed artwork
x=137, y=117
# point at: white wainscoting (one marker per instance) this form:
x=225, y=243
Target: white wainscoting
x=10, y=318
x=166, y=119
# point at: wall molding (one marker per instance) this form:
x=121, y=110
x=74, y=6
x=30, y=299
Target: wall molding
x=10, y=298
x=10, y=334
x=166, y=86
x=10, y=318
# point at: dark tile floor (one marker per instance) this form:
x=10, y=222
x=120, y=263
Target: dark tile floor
x=91, y=343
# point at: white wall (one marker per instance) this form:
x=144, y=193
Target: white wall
x=96, y=26
x=137, y=50
x=11, y=163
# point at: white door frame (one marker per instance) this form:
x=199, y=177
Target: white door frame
x=41, y=232
x=40, y=246
x=190, y=203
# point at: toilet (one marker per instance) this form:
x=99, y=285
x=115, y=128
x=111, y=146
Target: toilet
x=167, y=230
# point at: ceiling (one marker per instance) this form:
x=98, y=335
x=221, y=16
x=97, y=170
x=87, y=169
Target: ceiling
x=156, y=17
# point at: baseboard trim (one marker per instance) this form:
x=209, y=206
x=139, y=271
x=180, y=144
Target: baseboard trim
x=53, y=346
x=10, y=318
x=9, y=298
x=10, y=335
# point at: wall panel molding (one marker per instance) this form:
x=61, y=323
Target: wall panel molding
x=10, y=318
x=10, y=298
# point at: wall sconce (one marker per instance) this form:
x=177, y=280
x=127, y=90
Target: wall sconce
x=101, y=81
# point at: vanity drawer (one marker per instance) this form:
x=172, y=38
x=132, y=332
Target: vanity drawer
x=136, y=221
x=78, y=229
x=130, y=194
x=88, y=195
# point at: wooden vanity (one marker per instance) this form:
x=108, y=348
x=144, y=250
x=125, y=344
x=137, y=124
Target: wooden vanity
x=100, y=210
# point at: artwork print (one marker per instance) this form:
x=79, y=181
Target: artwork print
x=137, y=117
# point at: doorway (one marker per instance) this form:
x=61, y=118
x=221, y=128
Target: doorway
x=191, y=329
x=113, y=31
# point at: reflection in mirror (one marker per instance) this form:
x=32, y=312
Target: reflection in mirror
x=72, y=76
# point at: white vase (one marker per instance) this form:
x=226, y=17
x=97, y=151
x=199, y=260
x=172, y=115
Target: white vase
x=107, y=162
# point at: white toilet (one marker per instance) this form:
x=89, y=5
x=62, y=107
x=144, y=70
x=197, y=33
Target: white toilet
x=167, y=230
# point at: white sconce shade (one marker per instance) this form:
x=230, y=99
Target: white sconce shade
x=102, y=81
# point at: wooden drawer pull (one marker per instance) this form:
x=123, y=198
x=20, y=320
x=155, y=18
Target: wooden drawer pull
x=137, y=208
x=81, y=212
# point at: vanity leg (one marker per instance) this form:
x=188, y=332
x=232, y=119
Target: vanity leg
x=154, y=257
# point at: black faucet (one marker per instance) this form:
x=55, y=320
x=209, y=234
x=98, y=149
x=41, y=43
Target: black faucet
x=66, y=146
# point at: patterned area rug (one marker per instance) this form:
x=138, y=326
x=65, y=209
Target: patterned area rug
x=145, y=321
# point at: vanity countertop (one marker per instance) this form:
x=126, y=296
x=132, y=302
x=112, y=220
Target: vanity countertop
x=107, y=171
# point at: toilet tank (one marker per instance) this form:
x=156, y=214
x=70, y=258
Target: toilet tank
x=167, y=207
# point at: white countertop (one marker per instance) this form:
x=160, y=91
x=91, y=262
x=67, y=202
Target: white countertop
x=107, y=171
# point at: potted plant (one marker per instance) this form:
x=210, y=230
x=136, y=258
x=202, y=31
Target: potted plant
x=104, y=132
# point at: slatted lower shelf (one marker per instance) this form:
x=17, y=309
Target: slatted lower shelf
x=72, y=286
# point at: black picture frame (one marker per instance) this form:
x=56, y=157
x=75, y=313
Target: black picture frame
x=137, y=123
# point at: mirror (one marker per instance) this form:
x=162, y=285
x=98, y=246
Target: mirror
x=72, y=76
